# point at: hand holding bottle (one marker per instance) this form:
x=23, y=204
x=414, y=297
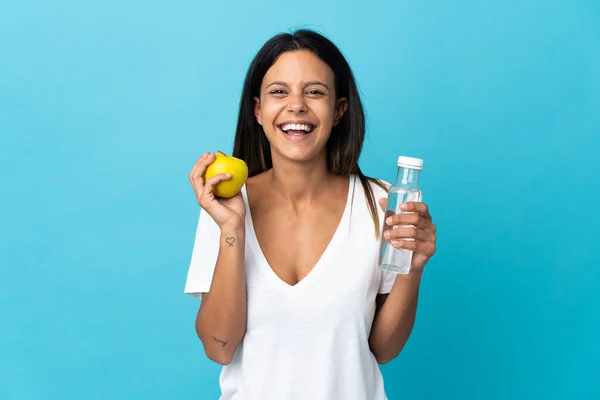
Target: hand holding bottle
x=408, y=234
x=417, y=227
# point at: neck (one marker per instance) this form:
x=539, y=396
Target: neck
x=296, y=181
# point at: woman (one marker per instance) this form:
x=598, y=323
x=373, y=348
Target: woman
x=292, y=304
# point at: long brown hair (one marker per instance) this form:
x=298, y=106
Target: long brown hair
x=346, y=140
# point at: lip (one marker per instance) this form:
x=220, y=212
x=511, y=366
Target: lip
x=296, y=138
x=301, y=121
x=297, y=121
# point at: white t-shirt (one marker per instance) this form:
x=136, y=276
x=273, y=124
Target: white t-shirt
x=308, y=341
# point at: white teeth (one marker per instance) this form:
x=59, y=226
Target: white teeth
x=296, y=127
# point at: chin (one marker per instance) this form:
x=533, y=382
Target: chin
x=299, y=149
x=299, y=155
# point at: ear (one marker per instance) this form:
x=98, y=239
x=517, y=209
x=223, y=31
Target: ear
x=340, y=109
x=257, y=110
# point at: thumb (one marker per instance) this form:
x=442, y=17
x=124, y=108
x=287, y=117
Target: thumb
x=383, y=203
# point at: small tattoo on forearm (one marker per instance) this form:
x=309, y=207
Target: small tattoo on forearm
x=230, y=241
x=223, y=342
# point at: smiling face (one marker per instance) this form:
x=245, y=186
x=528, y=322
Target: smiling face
x=298, y=107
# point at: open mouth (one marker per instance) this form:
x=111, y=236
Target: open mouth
x=297, y=129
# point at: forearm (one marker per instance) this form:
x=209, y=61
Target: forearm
x=221, y=320
x=394, y=322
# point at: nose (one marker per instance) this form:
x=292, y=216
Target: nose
x=297, y=103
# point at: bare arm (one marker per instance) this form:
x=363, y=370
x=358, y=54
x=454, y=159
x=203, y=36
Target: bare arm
x=396, y=311
x=395, y=317
x=221, y=320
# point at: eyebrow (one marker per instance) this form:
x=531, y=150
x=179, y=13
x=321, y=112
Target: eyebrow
x=311, y=83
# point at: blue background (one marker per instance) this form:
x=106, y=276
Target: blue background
x=105, y=106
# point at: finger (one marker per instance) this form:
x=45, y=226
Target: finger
x=410, y=220
x=383, y=203
x=427, y=248
x=196, y=166
x=198, y=161
x=210, y=184
x=201, y=167
x=416, y=207
x=197, y=185
x=409, y=233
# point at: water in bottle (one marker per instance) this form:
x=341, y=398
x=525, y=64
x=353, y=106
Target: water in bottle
x=405, y=189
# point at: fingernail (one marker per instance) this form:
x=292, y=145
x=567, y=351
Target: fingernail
x=389, y=221
x=404, y=206
x=386, y=234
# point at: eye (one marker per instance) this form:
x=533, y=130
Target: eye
x=277, y=92
x=315, y=92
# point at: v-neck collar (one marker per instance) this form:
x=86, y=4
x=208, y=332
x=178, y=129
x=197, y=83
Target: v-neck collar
x=334, y=243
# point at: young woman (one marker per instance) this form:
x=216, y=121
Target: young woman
x=292, y=304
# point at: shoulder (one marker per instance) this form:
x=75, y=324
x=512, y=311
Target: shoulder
x=379, y=187
x=367, y=193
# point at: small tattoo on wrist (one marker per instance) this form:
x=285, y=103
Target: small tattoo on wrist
x=230, y=241
x=223, y=342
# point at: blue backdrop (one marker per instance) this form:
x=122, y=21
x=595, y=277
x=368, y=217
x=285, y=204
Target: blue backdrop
x=105, y=106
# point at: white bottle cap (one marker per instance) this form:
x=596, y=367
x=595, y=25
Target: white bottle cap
x=410, y=162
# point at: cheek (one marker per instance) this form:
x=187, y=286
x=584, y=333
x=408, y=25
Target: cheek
x=270, y=110
x=326, y=113
x=269, y=113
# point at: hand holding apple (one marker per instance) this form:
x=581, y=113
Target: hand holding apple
x=228, y=212
x=225, y=164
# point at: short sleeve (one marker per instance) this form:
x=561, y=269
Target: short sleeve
x=387, y=281
x=387, y=278
x=204, y=256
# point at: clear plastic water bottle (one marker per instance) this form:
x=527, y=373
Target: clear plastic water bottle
x=405, y=189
